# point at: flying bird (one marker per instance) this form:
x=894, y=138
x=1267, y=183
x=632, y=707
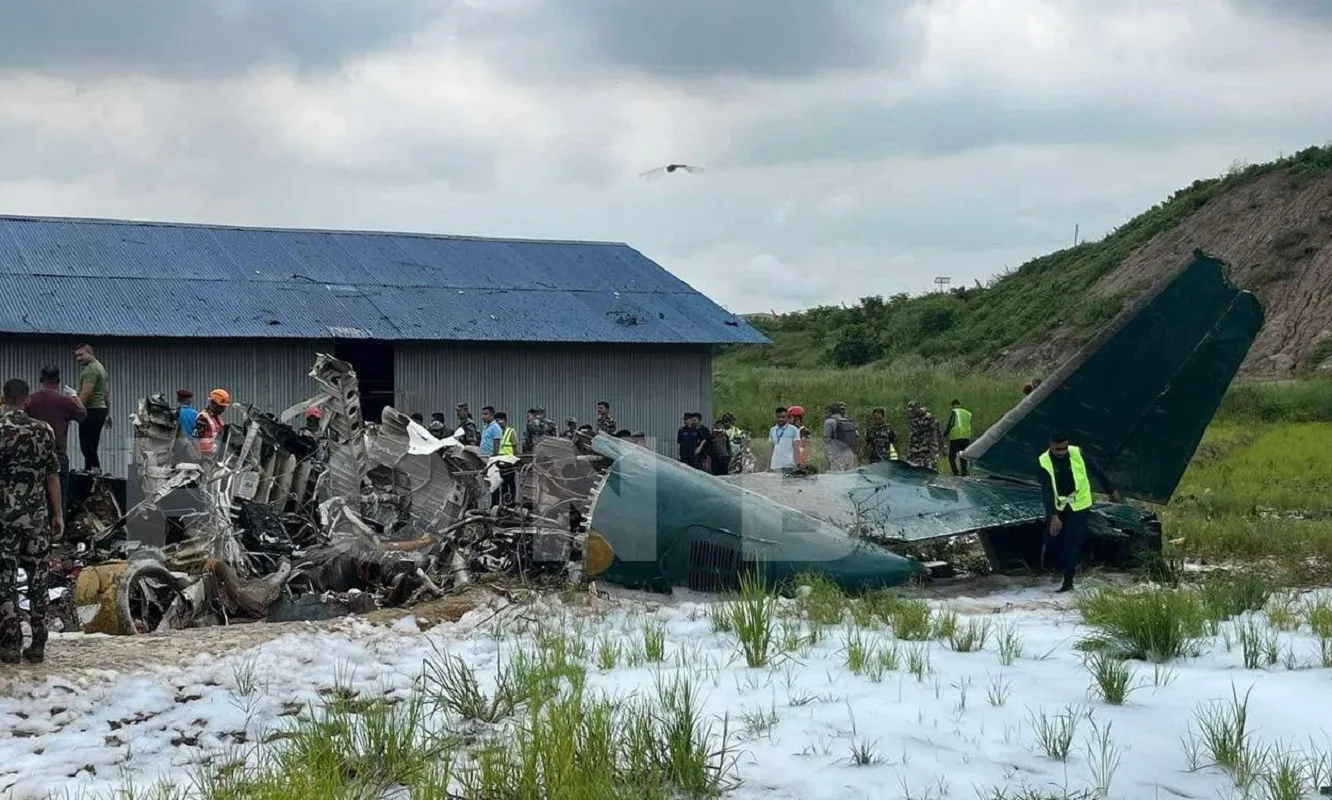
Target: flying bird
x=659, y=171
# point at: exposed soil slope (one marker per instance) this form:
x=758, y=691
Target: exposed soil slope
x=1275, y=233
x=1271, y=222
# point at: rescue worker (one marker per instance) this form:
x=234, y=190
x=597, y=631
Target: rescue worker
x=839, y=438
x=57, y=407
x=693, y=440
x=719, y=449
x=504, y=446
x=796, y=414
x=570, y=428
x=605, y=422
x=314, y=420
x=783, y=436
x=186, y=414
x=1066, y=475
x=471, y=434
x=208, y=425
x=95, y=394
x=923, y=437
x=880, y=438
x=959, y=438
x=739, y=440
x=532, y=431
x=538, y=428
x=419, y=418
x=31, y=520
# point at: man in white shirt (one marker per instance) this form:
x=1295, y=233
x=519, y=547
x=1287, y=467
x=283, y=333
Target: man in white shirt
x=783, y=437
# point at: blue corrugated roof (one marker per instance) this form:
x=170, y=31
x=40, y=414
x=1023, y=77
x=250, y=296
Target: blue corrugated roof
x=120, y=278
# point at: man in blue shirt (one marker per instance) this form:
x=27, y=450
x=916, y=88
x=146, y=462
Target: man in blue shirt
x=186, y=413
x=490, y=432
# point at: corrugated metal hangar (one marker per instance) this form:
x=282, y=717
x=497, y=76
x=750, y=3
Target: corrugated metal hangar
x=428, y=321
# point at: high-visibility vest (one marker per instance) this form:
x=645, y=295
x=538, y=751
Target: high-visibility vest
x=961, y=426
x=506, y=441
x=213, y=432
x=1081, y=499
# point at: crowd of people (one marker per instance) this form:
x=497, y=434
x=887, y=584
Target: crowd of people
x=717, y=449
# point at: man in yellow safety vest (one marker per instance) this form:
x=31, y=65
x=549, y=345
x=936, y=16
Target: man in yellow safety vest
x=1066, y=475
x=959, y=438
x=504, y=446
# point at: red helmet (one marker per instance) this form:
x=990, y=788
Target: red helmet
x=313, y=412
x=796, y=411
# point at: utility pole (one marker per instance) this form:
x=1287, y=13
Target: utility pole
x=1075, y=234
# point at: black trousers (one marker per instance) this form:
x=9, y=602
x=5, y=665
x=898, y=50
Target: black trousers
x=508, y=491
x=1067, y=546
x=721, y=465
x=64, y=480
x=90, y=437
x=955, y=448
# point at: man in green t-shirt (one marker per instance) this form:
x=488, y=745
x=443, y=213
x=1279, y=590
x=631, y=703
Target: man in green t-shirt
x=95, y=394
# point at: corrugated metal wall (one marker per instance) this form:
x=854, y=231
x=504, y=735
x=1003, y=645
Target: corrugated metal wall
x=649, y=387
x=270, y=374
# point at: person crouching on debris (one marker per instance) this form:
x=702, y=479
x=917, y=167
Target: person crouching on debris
x=208, y=425
x=571, y=428
x=1066, y=475
x=314, y=420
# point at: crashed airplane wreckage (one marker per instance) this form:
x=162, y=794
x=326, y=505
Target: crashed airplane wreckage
x=1137, y=398
x=343, y=517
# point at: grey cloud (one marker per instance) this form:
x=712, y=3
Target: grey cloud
x=700, y=39
x=201, y=38
x=1297, y=10
x=961, y=121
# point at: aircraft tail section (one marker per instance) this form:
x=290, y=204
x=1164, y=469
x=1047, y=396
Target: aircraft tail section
x=1139, y=396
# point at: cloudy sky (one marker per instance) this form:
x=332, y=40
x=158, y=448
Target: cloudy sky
x=851, y=147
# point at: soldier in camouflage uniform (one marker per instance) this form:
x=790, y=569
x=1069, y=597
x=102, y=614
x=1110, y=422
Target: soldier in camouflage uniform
x=570, y=428
x=30, y=521
x=880, y=438
x=605, y=422
x=923, y=437
x=471, y=435
x=538, y=428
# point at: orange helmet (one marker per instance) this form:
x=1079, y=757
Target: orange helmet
x=220, y=396
x=796, y=411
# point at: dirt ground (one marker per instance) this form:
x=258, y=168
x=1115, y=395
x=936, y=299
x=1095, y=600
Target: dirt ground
x=78, y=654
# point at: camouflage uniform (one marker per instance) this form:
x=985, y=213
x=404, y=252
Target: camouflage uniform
x=880, y=442
x=570, y=428
x=923, y=438
x=471, y=435
x=27, y=457
x=606, y=425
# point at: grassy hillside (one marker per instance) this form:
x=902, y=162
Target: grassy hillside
x=751, y=393
x=971, y=326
